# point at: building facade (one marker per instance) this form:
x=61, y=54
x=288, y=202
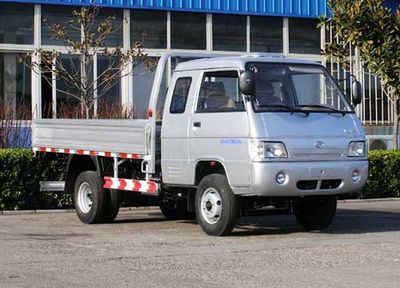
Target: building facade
x=274, y=27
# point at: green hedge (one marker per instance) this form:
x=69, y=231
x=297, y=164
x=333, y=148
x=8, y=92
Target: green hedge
x=384, y=174
x=20, y=174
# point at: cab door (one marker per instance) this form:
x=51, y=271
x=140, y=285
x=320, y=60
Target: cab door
x=219, y=127
x=175, y=127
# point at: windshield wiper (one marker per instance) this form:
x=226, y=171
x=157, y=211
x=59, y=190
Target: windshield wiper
x=330, y=109
x=289, y=108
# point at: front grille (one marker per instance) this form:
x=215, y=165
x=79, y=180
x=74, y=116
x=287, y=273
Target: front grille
x=313, y=184
x=318, y=154
x=330, y=184
x=307, y=185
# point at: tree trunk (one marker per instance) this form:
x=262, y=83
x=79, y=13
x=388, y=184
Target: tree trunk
x=396, y=124
x=87, y=112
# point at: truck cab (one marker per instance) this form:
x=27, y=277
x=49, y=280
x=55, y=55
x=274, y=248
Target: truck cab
x=261, y=130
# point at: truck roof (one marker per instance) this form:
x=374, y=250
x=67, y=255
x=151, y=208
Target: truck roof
x=235, y=62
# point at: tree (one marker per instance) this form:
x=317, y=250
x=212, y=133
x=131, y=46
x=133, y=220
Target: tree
x=375, y=30
x=77, y=75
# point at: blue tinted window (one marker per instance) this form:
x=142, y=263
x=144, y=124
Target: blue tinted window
x=266, y=34
x=188, y=30
x=16, y=23
x=179, y=98
x=304, y=37
x=150, y=28
x=229, y=32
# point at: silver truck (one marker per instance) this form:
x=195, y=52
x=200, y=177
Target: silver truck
x=236, y=134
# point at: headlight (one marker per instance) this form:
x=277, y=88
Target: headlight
x=356, y=149
x=264, y=150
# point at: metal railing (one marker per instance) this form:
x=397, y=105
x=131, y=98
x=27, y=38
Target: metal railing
x=377, y=106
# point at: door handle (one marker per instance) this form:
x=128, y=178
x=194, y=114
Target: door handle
x=197, y=124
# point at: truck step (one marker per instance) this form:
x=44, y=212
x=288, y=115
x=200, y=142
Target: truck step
x=53, y=186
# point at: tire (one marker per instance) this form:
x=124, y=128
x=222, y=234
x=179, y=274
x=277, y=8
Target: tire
x=89, y=197
x=315, y=213
x=175, y=210
x=111, y=205
x=216, y=206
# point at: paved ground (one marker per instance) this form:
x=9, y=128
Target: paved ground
x=361, y=249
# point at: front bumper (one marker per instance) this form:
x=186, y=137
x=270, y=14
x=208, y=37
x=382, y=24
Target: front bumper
x=263, y=177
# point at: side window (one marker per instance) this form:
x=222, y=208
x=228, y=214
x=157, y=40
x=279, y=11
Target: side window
x=179, y=97
x=219, y=92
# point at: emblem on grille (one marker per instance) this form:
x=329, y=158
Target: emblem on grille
x=319, y=144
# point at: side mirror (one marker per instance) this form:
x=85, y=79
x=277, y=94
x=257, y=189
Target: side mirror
x=357, y=92
x=247, y=83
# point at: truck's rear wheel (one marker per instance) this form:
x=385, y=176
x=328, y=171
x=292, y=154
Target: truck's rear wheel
x=315, y=213
x=89, y=197
x=216, y=206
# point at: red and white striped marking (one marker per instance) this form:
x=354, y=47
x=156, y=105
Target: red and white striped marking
x=149, y=187
x=88, y=152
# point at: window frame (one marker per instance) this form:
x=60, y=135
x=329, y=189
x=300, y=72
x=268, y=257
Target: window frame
x=218, y=110
x=187, y=95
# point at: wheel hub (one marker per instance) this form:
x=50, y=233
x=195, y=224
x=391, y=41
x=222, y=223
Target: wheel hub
x=85, y=197
x=211, y=205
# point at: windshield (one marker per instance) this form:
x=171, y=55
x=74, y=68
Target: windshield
x=284, y=87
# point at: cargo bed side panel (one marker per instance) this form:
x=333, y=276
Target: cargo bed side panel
x=127, y=136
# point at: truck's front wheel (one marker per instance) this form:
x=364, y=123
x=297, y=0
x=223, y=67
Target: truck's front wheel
x=315, y=213
x=216, y=206
x=112, y=205
x=89, y=197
